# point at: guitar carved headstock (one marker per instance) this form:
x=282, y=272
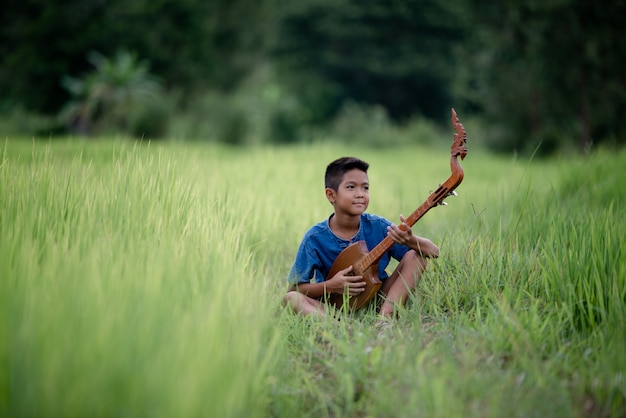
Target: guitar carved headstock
x=458, y=148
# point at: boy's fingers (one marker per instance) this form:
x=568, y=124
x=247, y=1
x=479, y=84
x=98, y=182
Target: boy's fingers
x=356, y=290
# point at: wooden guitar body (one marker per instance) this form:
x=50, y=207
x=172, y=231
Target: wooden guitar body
x=366, y=263
x=350, y=257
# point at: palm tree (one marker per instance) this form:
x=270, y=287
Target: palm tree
x=109, y=94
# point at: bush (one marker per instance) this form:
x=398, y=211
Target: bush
x=105, y=99
x=152, y=119
x=259, y=111
x=19, y=122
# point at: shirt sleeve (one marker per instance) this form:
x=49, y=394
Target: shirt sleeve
x=305, y=265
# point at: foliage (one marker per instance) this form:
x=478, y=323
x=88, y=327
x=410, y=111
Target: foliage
x=547, y=72
x=108, y=97
x=262, y=112
x=397, y=55
x=19, y=122
x=258, y=111
x=536, y=72
x=145, y=280
x=190, y=43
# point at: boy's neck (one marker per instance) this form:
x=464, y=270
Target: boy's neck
x=344, y=226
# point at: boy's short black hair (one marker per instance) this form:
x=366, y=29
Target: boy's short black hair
x=336, y=170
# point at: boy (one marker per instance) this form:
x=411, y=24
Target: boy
x=347, y=189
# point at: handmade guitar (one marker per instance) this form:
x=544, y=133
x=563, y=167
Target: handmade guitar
x=366, y=263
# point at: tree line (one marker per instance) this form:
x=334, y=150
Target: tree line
x=532, y=70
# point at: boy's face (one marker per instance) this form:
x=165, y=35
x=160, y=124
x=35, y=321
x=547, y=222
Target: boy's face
x=353, y=194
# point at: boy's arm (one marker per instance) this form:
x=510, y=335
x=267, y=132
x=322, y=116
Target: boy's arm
x=402, y=234
x=312, y=290
x=341, y=282
x=425, y=247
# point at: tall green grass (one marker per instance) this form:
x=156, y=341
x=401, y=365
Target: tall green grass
x=145, y=280
x=127, y=289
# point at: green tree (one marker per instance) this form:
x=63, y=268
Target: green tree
x=548, y=71
x=108, y=96
x=397, y=54
x=191, y=44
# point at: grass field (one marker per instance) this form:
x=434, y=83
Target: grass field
x=144, y=280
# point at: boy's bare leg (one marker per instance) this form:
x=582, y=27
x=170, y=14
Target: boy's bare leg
x=303, y=304
x=396, y=288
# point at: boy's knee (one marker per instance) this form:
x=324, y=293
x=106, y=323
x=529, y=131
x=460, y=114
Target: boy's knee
x=291, y=298
x=413, y=255
x=414, y=258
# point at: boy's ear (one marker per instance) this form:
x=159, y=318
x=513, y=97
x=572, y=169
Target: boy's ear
x=330, y=195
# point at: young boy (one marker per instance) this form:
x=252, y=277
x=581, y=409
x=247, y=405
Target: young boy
x=347, y=189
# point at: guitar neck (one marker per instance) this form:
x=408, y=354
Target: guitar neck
x=437, y=197
x=376, y=254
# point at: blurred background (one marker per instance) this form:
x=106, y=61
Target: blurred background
x=524, y=73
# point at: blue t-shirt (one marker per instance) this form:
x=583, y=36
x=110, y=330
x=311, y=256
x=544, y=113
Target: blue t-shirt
x=320, y=247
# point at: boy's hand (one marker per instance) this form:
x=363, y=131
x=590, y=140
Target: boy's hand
x=344, y=282
x=402, y=233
